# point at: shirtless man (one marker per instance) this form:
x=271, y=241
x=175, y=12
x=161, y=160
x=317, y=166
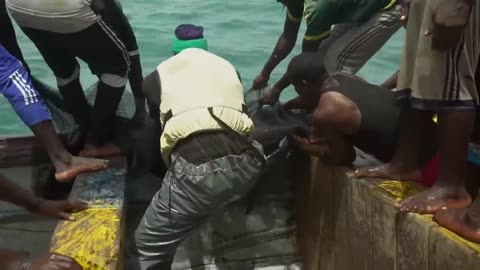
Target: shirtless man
x=347, y=112
x=17, y=88
x=64, y=32
x=14, y=260
x=437, y=76
x=360, y=29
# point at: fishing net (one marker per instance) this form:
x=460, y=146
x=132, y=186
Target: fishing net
x=63, y=121
x=45, y=185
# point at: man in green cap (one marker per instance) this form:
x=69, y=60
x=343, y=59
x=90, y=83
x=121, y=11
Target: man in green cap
x=205, y=142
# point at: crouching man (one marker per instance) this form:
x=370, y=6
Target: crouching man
x=348, y=111
x=205, y=143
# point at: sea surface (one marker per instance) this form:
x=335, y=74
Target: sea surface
x=244, y=32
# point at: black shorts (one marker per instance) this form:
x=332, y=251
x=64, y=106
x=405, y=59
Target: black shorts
x=115, y=17
x=98, y=45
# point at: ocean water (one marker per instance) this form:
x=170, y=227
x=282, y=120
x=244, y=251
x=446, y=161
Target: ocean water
x=244, y=32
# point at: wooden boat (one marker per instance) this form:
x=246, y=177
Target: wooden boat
x=318, y=217
x=20, y=159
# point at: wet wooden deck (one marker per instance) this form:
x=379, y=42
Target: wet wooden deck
x=346, y=223
x=95, y=238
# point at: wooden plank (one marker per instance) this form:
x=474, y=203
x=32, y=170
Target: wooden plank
x=322, y=215
x=412, y=242
x=383, y=231
x=25, y=231
x=21, y=151
x=94, y=238
x=449, y=251
x=315, y=218
x=361, y=223
x=302, y=185
x=343, y=254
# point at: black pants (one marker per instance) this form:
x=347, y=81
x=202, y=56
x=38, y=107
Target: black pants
x=98, y=45
x=115, y=17
x=101, y=48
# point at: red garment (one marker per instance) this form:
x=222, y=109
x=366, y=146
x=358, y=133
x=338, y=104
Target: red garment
x=430, y=172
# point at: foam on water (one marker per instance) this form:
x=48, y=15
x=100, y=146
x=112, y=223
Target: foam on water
x=244, y=32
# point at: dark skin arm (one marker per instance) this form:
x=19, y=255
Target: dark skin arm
x=293, y=104
x=13, y=193
x=274, y=93
x=152, y=88
x=285, y=45
x=334, y=121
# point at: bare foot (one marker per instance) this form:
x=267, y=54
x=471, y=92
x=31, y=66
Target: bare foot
x=100, y=151
x=66, y=171
x=431, y=200
x=464, y=222
x=390, y=172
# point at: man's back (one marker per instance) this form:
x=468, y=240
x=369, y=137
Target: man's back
x=380, y=114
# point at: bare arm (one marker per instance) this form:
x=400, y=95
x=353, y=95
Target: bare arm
x=293, y=104
x=335, y=120
x=152, y=88
x=13, y=193
x=285, y=45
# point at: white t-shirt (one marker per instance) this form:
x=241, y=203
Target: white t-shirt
x=61, y=16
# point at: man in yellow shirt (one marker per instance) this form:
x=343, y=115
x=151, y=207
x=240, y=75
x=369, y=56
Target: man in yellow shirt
x=204, y=142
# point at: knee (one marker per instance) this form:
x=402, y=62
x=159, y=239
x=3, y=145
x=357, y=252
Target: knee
x=114, y=80
x=66, y=78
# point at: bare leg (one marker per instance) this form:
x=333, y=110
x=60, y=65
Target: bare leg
x=455, y=129
x=67, y=166
x=404, y=165
x=465, y=222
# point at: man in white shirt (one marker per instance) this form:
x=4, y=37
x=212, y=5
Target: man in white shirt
x=63, y=30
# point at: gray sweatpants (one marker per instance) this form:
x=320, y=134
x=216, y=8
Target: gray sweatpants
x=350, y=46
x=189, y=194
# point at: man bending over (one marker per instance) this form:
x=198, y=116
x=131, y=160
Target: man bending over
x=204, y=142
x=347, y=112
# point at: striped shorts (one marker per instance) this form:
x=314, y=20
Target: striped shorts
x=98, y=45
x=435, y=80
x=25, y=100
x=350, y=46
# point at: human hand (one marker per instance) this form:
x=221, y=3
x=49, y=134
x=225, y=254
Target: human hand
x=260, y=82
x=54, y=262
x=59, y=209
x=316, y=147
x=270, y=96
